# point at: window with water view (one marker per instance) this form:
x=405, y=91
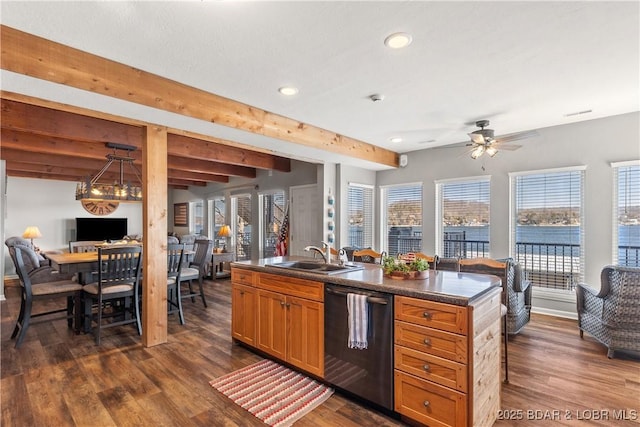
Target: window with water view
x=547, y=226
x=463, y=220
x=626, y=215
x=402, y=225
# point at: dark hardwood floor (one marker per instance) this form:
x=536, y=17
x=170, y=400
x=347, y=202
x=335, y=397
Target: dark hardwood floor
x=60, y=379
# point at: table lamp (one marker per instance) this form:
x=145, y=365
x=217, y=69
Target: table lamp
x=224, y=232
x=32, y=232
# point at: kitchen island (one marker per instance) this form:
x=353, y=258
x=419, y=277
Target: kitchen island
x=445, y=345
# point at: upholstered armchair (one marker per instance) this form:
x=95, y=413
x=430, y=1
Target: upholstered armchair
x=612, y=315
x=36, y=266
x=519, y=293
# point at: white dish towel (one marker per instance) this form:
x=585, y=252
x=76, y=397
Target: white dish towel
x=358, y=320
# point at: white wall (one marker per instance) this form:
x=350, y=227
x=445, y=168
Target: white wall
x=594, y=143
x=51, y=206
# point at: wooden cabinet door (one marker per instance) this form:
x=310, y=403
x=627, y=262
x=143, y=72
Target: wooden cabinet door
x=305, y=347
x=272, y=323
x=243, y=309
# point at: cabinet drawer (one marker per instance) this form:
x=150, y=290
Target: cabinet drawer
x=433, y=341
x=428, y=403
x=245, y=277
x=292, y=286
x=442, y=371
x=447, y=317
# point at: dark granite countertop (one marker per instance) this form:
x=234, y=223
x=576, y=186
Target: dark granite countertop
x=441, y=286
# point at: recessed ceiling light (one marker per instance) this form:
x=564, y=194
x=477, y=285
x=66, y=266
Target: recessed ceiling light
x=398, y=40
x=288, y=90
x=395, y=139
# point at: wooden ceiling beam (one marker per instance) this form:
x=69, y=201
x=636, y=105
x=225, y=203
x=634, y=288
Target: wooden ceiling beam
x=177, y=183
x=204, y=166
x=65, y=164
x=34, y=56
x=36, y=143
x=184, y=146
x=47, y=121
x=44, y=128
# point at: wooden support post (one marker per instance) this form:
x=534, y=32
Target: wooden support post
x=154, y=229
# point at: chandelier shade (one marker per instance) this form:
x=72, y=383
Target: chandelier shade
x=95, y=188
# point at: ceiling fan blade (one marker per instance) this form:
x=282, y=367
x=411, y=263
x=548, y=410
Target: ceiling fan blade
x=517, y=136
x=508, y=147
x=476, y=138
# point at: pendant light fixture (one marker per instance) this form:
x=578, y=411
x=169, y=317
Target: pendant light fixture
x=95, y=188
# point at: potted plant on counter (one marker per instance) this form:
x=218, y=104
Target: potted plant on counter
x=405, y=267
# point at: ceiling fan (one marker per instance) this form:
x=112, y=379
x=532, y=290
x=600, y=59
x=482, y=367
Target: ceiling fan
x=483, y=140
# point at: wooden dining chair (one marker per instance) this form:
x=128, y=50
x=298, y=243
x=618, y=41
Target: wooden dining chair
x=29, y=293
x=500, y=269
x=368, y=256
x=196, y=270
x=448, y=264
x=117, y=287
x=175, y=257
x=84, y=246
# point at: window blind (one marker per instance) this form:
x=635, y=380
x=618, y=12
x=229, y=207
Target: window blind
x=626, y=216
x=273, y=206
x=360, y=216
x=464, y=218
x=547, y=226
x=243, y=227
x=217, y=212
x=402, y=224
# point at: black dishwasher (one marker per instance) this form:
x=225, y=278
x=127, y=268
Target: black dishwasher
x=366, y=373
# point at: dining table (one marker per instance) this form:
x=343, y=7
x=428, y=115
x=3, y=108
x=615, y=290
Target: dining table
x=81, y=262
x=77, y=262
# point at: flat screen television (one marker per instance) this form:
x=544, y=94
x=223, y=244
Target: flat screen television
x=101, y=228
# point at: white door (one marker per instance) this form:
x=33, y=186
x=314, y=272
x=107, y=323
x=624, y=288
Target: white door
x=304, y=217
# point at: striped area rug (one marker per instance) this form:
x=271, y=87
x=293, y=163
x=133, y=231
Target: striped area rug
x=276, y=395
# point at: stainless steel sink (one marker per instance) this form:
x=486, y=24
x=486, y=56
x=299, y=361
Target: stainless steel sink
x=317, y=267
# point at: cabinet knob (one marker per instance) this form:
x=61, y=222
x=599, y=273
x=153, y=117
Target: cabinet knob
x=288, y=305
x=282, y=303
x=426, y=403
x=426, y=368
x=427, y=341
x=241, y=292
x=426, y=315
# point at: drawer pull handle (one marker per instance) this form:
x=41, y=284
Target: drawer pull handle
x=426, y=403
x=426, y=368
x=427, y=341
x=426, y=315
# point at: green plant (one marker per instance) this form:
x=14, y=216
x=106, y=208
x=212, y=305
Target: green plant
x=419, y=264
x=391, y=264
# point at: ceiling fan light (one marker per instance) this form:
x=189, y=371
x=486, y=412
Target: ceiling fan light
x=491, y=151
x=477, y=152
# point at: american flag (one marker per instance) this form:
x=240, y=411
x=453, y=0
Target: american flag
x=283, y=237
